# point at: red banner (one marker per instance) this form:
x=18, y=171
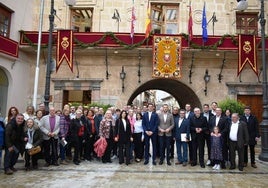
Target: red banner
x=65, y=48
x=8, y=46
x=247, y=53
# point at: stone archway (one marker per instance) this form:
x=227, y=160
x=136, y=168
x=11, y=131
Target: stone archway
x=181, y=92
x=3, y=91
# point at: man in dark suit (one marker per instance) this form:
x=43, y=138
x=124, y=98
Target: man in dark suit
x=238, y=138
x=188, y=115
x=253, y=130
x=220, y=121
x=208, y=115
x=150, y=122
x=182, y=126
x=198, y=125
x=166, y=124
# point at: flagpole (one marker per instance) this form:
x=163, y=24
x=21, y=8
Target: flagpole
x=36, y=78
x=189, y=37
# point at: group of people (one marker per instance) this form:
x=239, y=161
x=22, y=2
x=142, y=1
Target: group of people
x=129, y=134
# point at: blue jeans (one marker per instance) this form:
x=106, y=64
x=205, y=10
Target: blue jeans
x=164, y=143
x=182, y=155
x=10, y=159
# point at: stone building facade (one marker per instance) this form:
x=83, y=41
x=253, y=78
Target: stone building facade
x=90, y=64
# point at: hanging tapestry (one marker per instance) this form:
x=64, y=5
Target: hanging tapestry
x=167, y=56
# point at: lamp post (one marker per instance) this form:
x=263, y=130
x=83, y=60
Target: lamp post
x=122, y=77
x=206, y=79
x=49, y=56
x=264, y=124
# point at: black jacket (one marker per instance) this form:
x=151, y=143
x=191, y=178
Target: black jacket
x=14, y=135
x=253, y=128
x=37, y=136
x=75, y=126
x=242, y=134
x=222, y=124
x=124, y=135
x=198, y=122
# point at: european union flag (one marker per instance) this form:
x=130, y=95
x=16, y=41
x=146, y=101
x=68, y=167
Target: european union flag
x=204, y=25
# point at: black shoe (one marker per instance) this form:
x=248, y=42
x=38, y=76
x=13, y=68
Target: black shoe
x=223, y=166
x=56, y=164
x=47, y=165
x=109, y=161
x=232, y=168
x=161, y=162
x=240, y=168
x=202, y=166
x=8, y=171
x=193, y=164
x=76, y=163
x=171, y=157
x=146, y=162
x=168, y=163
x=13, y=169
x=154, y=163
x=35, y=167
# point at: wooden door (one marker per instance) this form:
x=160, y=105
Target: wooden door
x=255, y=101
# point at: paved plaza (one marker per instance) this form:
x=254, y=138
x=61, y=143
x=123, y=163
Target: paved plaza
x=97, y=174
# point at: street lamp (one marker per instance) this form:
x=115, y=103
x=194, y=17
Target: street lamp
x=206, y=79
x=264, y=124
x=116, y=17
x=122, y=77
x=49, y=57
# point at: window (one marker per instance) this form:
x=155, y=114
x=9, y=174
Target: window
x=5, y=19
x=81, y=19
x=165, y=18
x=247, y=23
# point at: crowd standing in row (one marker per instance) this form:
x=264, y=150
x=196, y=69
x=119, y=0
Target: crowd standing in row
x=129, y=133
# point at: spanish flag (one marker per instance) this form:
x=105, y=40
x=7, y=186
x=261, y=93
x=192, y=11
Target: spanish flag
x=148, y=26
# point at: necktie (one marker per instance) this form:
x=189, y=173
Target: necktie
x=31, y=136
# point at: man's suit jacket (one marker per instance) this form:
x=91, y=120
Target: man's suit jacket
x=222, y=124
x=168, y=124
x=184, y=128
x=45, y=127
x=151, y=125
x=242, y=134
x=191, y=114
x=253, y=128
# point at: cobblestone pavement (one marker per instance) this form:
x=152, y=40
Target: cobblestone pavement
x=96, y=174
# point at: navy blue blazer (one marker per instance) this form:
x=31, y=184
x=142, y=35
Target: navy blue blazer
x=151, y=125
x=190, y=115
x=184, y=128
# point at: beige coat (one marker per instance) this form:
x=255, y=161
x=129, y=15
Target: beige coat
x=168, y=124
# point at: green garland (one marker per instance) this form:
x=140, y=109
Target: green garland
x=114, y=38
x=140, y=43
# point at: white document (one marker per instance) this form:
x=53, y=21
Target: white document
x=183, y=137
x=28, y=146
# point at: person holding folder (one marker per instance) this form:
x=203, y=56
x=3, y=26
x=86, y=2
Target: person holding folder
x=181, y=135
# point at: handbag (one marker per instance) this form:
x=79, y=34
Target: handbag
x=34, y=150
